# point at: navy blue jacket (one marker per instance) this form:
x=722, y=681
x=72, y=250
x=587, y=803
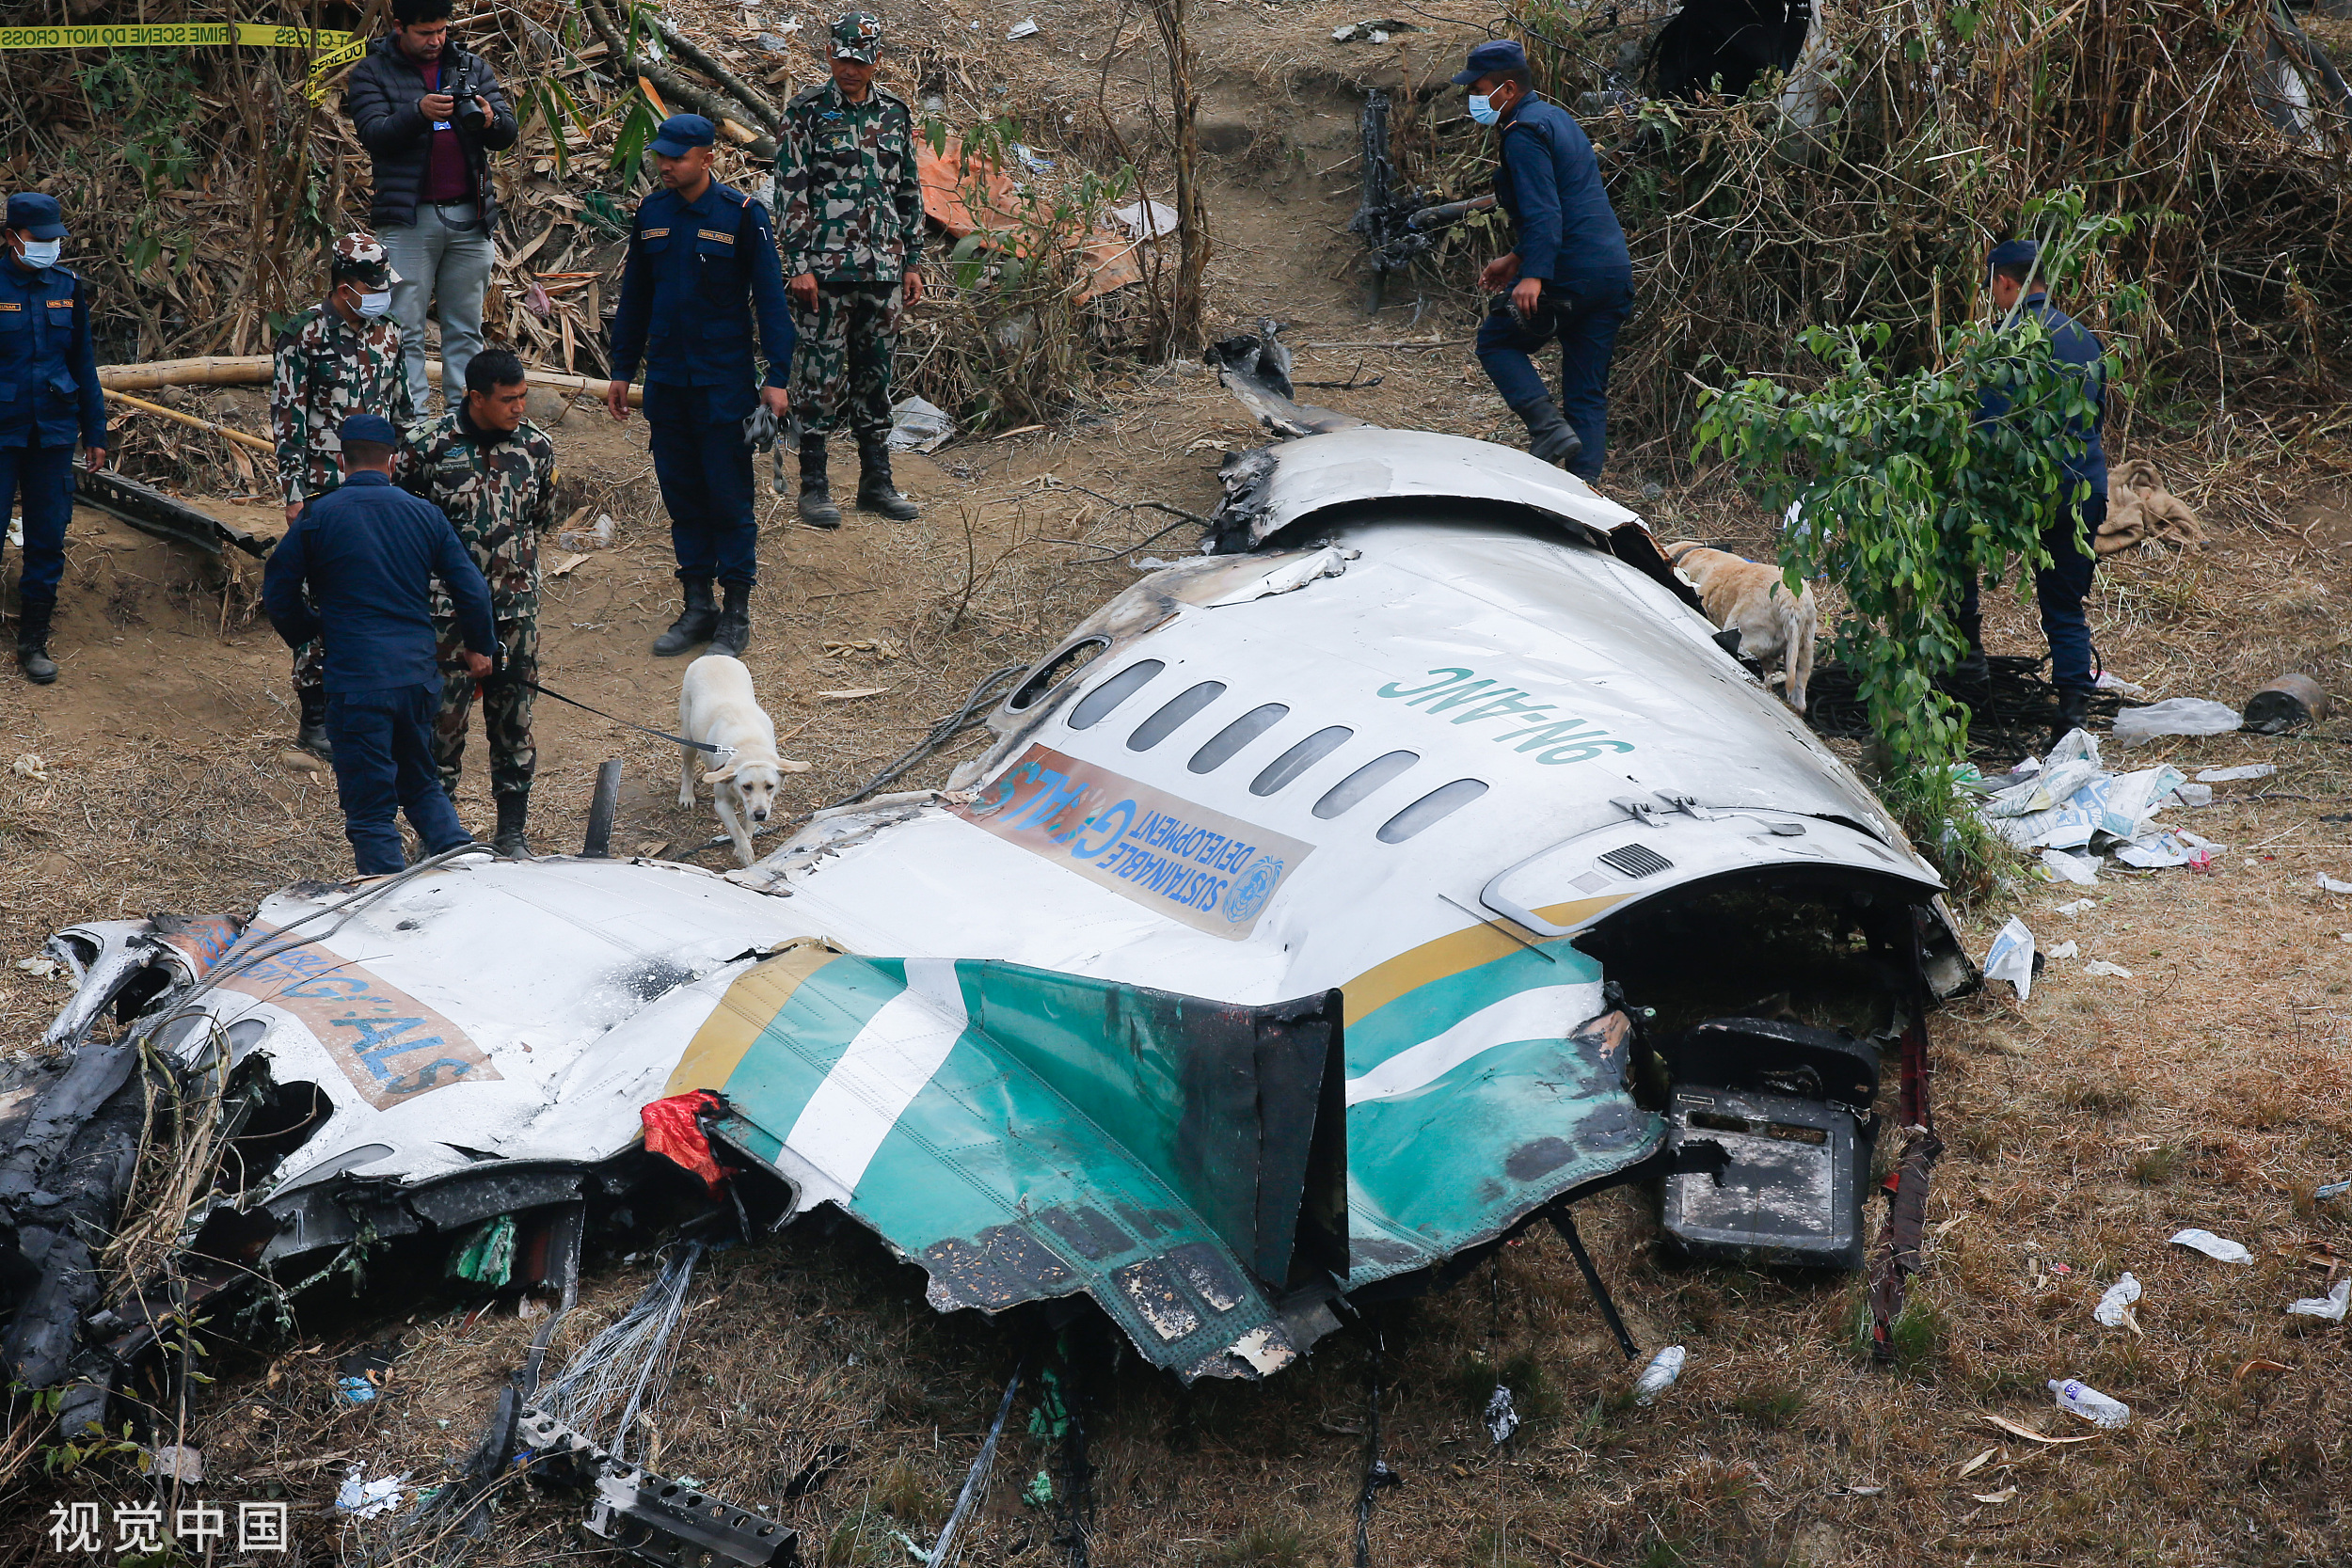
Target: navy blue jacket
x=48, y=374
x=368, y=554
x=2072, y=343
x=1548, y=182
x=698, y=273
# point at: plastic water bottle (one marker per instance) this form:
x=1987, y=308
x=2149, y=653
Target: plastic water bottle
x=2091, y=1405
x=1658, y=1375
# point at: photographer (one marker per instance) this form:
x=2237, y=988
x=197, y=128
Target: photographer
x=430, y=114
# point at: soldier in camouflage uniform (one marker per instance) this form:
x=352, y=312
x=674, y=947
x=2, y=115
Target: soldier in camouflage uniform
x=851, y=226
x=492, y=473
x=339, y=357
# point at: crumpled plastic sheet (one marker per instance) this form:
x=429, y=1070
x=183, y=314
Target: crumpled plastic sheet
x=366, y=1499
x=916, y=425
x=2012, y=958
x=2174, y=716
x=2071, y=809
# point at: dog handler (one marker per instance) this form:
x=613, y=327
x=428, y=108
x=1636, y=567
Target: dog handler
x=52, y=396
x=368, y=554
x=2060, y=588
x=492, y=473
x=702, y=268
x=1568, y=274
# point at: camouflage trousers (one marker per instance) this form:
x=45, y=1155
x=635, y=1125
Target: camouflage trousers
x=505, y=707
x=310, y=667
x=841, y=366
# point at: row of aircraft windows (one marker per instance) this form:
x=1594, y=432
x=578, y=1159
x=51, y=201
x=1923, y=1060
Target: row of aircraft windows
x=1221, y=748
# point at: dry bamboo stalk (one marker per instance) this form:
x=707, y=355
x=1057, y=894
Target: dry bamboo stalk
x=254, y=371
x=251, y=442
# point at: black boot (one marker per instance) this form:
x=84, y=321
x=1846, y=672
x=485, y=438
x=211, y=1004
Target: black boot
x=875, y=490
x=2073, y=712
x=816, y=508
x=513, y=811
x=693, y=625
x=32, y=641
x=311, y=734
x=1548, y=433
x=735, y=622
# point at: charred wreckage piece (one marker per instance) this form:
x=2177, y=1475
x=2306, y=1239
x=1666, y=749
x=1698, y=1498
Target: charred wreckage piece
x=1330, y=906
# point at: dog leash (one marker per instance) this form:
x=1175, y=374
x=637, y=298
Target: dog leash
x=659, y=735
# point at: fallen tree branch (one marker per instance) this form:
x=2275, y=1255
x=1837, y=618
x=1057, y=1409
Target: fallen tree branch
x=253, y=370
x=253, y=443
x=669, y=83
x=761, y=107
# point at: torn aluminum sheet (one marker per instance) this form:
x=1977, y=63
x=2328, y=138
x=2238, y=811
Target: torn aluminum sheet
x=1251, y=970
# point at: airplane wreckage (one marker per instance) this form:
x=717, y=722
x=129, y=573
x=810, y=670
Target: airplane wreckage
x=1331, y=905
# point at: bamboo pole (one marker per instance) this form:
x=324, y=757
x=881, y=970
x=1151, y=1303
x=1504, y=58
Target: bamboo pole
x=252, y=442
x=254, y=371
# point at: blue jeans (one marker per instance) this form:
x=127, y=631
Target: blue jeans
x=2058, y=592
x=705, y=471
x=1585, y=318
x=383, y=744
x=44, y=476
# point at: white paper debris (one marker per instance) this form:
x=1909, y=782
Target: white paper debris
x=2194, y=795
x=1146, y=220
x=2115, y=1307
x=2219, y=1248
x=2080, y=869
x=2174, y=716
x=1658, y=1375
x=366, y=1499
x=919, y=426
x=2071, y=910
x=2109, y=681
x=2101, y=966
x=2333, y=885
x=2231, y=775
x=2012, y=958
x=2065, y=950
x=1022, y=28
x=30, y=767
x=40, y=968
x=2329, y=1306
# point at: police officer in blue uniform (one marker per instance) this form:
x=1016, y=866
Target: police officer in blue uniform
x=48, y=396
x=2060, y=588
x=1567, y=276
x=367, y=553
x=702, y=270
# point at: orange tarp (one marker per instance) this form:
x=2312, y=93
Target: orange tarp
x=953, y=182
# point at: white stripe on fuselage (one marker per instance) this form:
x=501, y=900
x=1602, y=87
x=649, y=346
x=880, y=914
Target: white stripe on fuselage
x=1548, y=1012
x=889, y=1063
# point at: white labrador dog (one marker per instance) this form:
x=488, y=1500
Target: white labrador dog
x=1752, y=598
x=716, y=706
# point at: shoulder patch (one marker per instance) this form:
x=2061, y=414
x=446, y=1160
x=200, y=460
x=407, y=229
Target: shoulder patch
x=808, y=95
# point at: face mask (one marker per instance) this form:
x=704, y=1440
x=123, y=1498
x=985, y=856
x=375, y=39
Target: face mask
x=43, y=253
x=373, y=306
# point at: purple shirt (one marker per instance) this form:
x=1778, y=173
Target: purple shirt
x=446, y=176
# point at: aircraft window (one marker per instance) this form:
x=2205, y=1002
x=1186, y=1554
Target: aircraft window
x=1282, y=769
x=1362, y=782
x=1434, y=807
x=1173, y=714
x=1099, y=701
x=1051, y=674
x=1219, y=747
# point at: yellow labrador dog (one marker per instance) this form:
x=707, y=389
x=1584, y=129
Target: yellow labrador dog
x=716, y=706
x=1750, y=596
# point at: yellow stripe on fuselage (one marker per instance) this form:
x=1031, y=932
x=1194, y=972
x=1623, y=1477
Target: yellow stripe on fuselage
x=750, y=1004
x=1454, y=953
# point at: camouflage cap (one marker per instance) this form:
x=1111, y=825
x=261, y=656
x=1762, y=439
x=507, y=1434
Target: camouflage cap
x=361, y=258
x=857, y=37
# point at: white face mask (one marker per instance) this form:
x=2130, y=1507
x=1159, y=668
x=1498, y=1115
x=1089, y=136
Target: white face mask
x=373, y=306
x=43, y=253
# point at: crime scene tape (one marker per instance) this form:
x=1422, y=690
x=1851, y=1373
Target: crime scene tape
x=336, y=49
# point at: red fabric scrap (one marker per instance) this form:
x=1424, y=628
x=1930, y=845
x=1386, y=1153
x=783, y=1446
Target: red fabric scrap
x=673, y=1130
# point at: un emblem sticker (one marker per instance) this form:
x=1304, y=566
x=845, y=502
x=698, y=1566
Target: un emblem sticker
x=1251, y=889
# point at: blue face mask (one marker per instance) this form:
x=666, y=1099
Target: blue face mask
x=1482, y=109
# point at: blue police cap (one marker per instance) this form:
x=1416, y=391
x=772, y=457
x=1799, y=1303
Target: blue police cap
x=374, y=428
x=37, y=214
x=1488, y=57
x=681, y=132
x=2012, y=253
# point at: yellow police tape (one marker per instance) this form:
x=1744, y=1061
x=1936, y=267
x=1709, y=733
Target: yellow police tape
x=337, y=49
